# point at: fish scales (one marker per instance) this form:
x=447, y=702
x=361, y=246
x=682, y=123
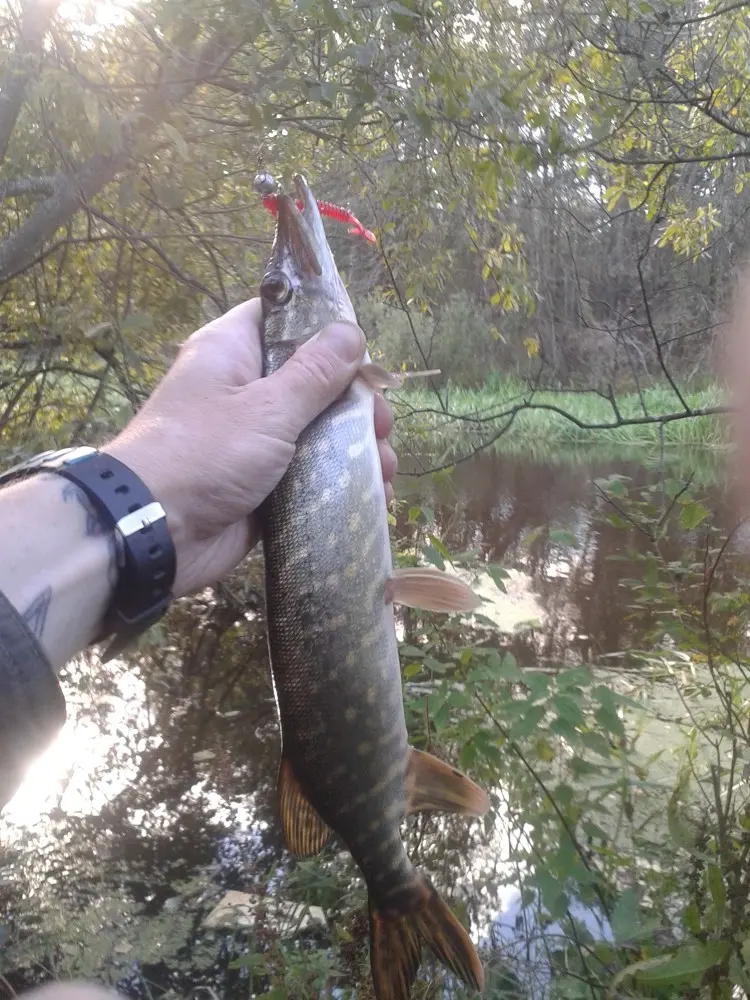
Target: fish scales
x=346, y=764
x=330, y=507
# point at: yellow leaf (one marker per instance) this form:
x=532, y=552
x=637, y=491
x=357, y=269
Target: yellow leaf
x=532, y=346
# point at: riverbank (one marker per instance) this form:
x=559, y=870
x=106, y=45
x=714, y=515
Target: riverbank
x=509, y=414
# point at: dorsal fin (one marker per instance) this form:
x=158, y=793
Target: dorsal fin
x=433, y=784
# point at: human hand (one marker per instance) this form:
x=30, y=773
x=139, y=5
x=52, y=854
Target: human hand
x=74, y=990
x=215, y=438
x=735, y=364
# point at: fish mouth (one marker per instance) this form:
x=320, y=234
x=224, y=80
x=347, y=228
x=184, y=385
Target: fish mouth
x=300, y=234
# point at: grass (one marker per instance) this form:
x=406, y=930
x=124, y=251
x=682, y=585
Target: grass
x=482, y=416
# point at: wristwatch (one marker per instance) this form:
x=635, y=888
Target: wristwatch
x=146, y=558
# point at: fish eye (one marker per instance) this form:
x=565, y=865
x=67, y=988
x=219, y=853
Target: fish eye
x=276, y=288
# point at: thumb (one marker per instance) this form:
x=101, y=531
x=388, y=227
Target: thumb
x=317, y=373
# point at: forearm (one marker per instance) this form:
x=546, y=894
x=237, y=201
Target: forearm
x=58, y=563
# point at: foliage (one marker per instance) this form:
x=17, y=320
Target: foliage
x=556, y=192
x=560, y=195
x=511, y=413
x=618, y=896
x=613, y=862
x=420, y=340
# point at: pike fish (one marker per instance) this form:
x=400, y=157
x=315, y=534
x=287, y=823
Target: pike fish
x=346, y=764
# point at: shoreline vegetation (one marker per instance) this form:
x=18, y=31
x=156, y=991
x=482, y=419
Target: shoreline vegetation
x=484, y=417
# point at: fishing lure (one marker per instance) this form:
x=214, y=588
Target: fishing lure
x=264, y=184
x=378, y=377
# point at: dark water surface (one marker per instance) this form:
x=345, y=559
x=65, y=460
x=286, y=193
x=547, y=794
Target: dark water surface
x=160, y=794
x=497, y=504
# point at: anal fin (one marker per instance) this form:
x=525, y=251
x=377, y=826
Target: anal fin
x=430, y=590
x=305, y=833
x=433, y=784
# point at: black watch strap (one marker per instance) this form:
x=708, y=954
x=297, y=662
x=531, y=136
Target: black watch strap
x=146, y=559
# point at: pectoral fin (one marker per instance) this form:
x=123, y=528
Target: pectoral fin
x=378, y=377
x=433, y=784
x=430, y=590
x=305, y=833
x=422, y=373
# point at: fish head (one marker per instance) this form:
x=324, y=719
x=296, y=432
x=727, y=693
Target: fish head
x=302, y=289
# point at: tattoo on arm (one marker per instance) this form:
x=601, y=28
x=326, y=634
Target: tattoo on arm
x=35, y=615
x=95, y=527
x=72, y=494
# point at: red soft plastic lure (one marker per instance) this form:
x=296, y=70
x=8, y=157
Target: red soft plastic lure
x=328, y=211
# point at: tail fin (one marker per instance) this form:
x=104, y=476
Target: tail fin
x=397, y=936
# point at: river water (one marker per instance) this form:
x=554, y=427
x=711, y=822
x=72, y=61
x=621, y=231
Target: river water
x=159, y=795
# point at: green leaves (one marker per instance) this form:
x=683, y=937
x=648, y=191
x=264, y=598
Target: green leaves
x=178, y=141
x=498, y=576
x=597, y=743
x=692, y=515
x=607, y=715
x=404, y=17
x=680, y=828
x=715, y=913
x=567, y=708
x=507, y=669
x=562, y=537
x=685, y=966
x=528, y=722
x=628, y=923
x=553, y=894
x=613, y=485
x=433, y=557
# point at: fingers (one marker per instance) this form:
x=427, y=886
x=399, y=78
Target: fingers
x=316, y=375
x=224, y=353
x=388, y=460
x=71, y=991
x=236, y=351
x=242, y=321
x=383, y=417
x=388, y=457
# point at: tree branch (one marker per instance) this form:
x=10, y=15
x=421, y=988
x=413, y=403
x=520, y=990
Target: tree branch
x=22, y=247
x=35, y=20
x=19, y=186
x=510, y=413
x=174, y=269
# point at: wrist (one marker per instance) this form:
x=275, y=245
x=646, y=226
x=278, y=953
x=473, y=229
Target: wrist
x=138, y=455
x=61, y=576
x=119, y=507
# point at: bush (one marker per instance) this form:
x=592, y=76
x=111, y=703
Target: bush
x=460, y=339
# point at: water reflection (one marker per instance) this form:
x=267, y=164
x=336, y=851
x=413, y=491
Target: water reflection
x=496, y=504
x=80, y=772
x=160, y=794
